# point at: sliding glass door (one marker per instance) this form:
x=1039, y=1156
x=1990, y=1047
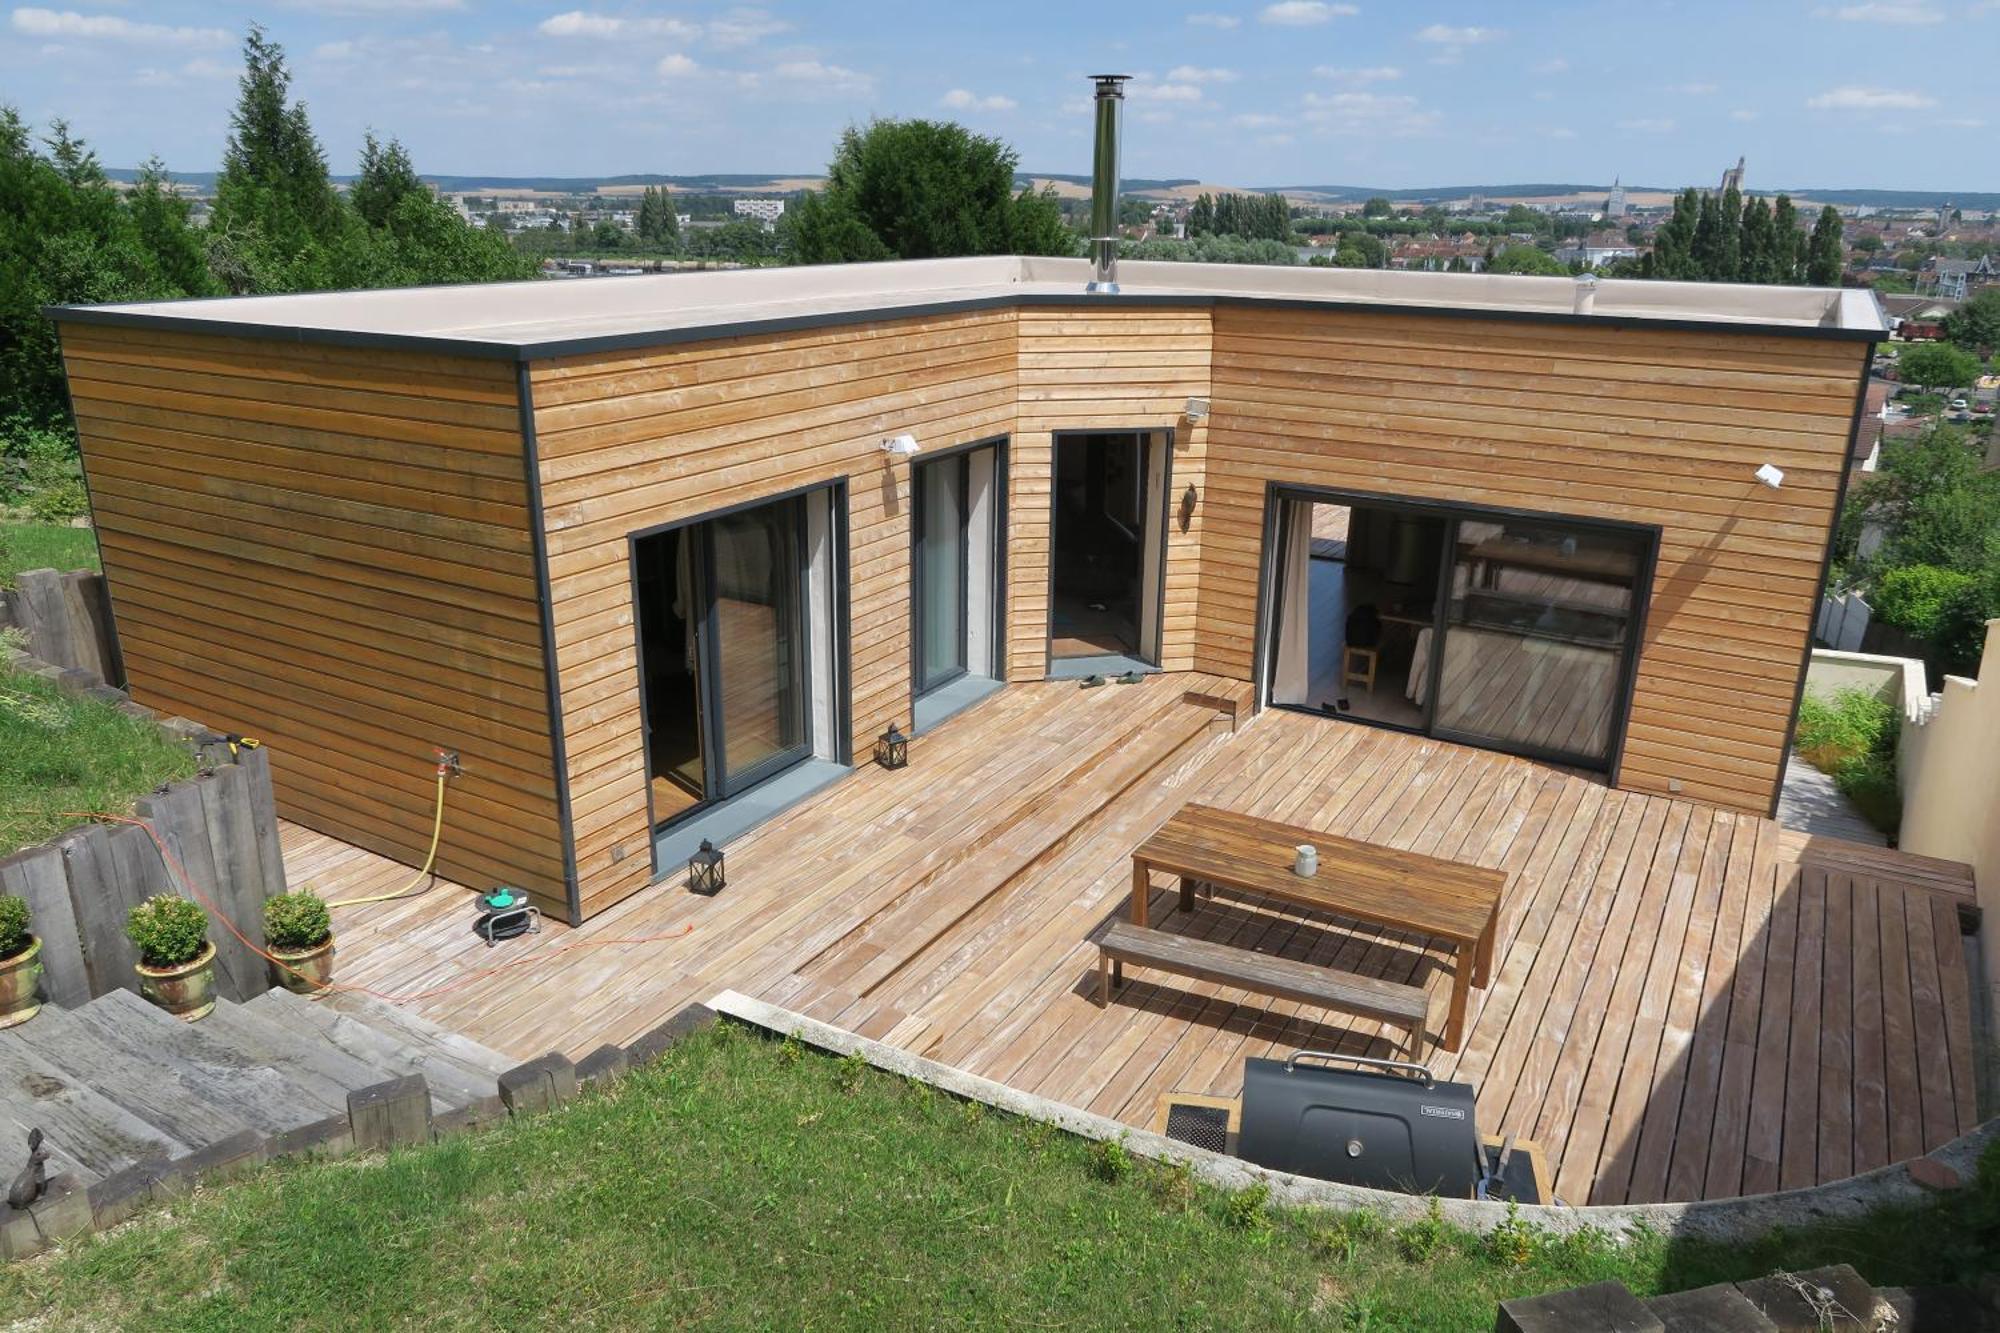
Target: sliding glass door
x=1536, y=635
x=942, y=571
x=724, y=653
x=1517, y=633
x=758, y=635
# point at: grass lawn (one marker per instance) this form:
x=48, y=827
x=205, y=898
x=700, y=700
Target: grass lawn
x=59, y=752
x=747, y=1183
x=44, y=546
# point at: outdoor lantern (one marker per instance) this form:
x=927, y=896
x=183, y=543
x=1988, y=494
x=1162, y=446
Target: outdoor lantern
x=892, y=748
x=705, y=870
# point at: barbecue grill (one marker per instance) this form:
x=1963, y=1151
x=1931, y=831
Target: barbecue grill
x=1386, y=1125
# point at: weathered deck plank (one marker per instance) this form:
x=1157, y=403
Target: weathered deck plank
x=1679, y=999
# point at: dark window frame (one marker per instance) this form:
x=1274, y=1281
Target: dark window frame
x=1270, y=609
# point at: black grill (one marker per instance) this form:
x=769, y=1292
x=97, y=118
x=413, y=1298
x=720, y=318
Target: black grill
x=1202, y=1126
x=1387, y=1126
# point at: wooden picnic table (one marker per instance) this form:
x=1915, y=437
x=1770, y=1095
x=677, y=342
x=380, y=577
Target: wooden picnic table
x=1447, y=900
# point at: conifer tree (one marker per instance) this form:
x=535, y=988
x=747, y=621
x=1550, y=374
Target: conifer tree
x=1785, y=239
x=1826, y=252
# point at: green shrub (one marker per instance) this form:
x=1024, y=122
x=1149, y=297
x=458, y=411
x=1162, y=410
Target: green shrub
x=1110, y=1162
x=13, y=925
x=1852, y=738
x=1916, y=597
x=297, y=921
x=169, y=931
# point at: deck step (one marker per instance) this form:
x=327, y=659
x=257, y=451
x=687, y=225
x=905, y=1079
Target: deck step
x=86, y=1132
x=162, y=1089
x=458, y=1071
x=1888, y=863
x=308, y=1059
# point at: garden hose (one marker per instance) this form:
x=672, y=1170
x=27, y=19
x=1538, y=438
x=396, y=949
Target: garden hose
x=417, y=885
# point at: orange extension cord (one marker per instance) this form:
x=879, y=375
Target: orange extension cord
x=180, y=876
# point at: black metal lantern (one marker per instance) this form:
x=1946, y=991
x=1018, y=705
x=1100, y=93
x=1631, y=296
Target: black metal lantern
x=705, y=870
x=892, y=748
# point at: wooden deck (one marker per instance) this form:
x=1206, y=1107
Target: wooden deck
x=1686, y=1002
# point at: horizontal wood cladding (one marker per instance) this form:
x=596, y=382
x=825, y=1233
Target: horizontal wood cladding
x=330, y=549
x=633, y=440
x=1085, y=368
x=1648, y=426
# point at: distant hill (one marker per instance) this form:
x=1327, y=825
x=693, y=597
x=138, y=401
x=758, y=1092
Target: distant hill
x=1977, y=200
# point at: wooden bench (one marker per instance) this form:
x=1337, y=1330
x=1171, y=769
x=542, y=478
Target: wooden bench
x=1283, y=978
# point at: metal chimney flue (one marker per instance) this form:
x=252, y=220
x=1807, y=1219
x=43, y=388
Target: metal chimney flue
x=1104, y=183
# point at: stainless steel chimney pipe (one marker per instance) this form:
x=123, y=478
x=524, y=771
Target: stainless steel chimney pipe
x=1104, y=184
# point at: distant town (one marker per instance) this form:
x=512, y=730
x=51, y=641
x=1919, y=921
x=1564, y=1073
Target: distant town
x=1923, y=258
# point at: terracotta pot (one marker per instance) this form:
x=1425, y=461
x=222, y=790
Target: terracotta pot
x=305, y=971
x=186, y=991
x=18, y=975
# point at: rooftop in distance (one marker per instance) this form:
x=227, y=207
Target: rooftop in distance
x=539, y=319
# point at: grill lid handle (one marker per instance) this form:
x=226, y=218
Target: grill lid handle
x=1397, y=1066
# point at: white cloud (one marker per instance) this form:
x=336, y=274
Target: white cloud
x=1447, y=36
x=1743, y=114
x=1143, y=91
x=1553, y=65
x=583, y=23
x=352, y=7
x=1305, y=13
x=1222, y=21
x=737, y=27
x=1370, y=74
x=1367, y=113
x=1906, y=12
x=1561, y=132
x=1964, y=123
x=69, y=23
x=1854, y=98
x=744, y=27
x=1693, y=89
x=1197, y=74
x=676, y=66
x=1647, y=125
x=962, y=99
x=1256, y=120
x=816, y=77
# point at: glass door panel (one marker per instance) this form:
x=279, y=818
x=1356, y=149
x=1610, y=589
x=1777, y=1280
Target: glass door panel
x=941, y=572
x=1537, y=628
x=759, y=641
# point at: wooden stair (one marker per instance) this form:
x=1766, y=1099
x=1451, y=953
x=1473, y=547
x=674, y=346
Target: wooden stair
x=117, y=1081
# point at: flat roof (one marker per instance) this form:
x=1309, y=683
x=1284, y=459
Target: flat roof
x=543, y=318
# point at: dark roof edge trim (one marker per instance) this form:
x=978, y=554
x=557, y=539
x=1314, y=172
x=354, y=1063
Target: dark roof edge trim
x=619, y=342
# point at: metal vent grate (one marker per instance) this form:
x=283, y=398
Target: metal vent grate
x=1202, y=1126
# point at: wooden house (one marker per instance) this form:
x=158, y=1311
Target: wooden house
x=656, y=556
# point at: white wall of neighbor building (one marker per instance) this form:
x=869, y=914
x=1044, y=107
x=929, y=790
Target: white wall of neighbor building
x=1951, y=791
x=1947, y=766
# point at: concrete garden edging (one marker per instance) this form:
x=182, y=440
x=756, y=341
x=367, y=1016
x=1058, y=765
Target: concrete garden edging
x=1715, y=1219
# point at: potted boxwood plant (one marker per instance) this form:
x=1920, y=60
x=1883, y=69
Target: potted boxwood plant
x=20, y=963
x=299, y=932
x=176, y=960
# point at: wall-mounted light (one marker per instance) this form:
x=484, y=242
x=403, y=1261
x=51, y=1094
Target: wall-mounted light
x=903, y=445
x=1196, y=409
x=1771, y=476
x=1188, y=498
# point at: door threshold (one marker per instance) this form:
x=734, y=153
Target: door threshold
x=732, y=818
x=1104, y=664
x=951, y=699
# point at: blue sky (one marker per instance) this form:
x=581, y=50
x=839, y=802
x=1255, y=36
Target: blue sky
x=1895, y=94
